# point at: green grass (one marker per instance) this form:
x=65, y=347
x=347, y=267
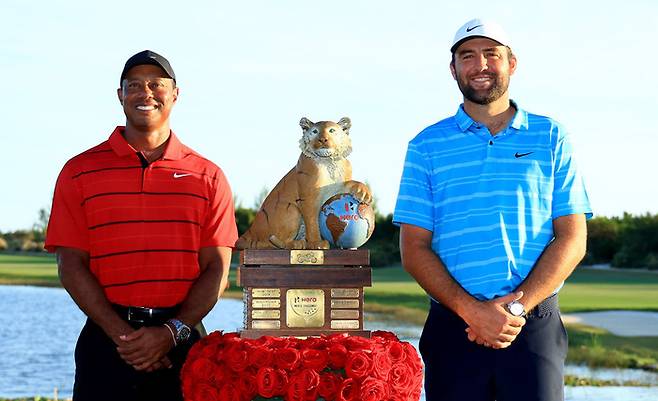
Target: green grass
x=28, y=269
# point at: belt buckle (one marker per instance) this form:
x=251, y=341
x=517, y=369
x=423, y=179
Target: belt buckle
x=130, y=315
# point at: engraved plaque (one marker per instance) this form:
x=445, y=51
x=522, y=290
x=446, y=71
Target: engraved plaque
x=265, y=292
x=344, y=313
x=344, y=324
x=266, y=303
x=306, y=257
x=305, y=308
x=265, y=324
x=266, y=314
x=344, y=303
x=344, y=292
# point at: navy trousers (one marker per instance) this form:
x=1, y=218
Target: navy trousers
x=101, y=374
x=456, y=369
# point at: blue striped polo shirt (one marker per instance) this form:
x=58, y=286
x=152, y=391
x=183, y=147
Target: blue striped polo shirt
x=489, y=201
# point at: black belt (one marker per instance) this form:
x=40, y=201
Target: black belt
x=146, y=316
x=545, y=307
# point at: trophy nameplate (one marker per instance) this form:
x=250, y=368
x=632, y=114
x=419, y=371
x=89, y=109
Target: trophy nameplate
x=345, y=303
x=345, y=314
x=344, y=292
x=303, y=292
x=266, y=314
x=265, y=303
x=265, y=292
x=305, y=308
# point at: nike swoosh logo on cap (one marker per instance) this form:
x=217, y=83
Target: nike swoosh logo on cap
x=176, y=175
x=517, y=154
x=473, y=27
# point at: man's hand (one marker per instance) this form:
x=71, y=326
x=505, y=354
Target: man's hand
x=491, y=325
x=146, y=348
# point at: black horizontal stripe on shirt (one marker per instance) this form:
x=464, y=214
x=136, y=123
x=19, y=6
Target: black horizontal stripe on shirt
x=167, y=280
x=105, y=169
x=107, y=255
x=110, y=223
x=143, y=193
x=213, y=177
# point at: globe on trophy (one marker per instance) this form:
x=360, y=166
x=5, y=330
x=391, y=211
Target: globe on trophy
x=346, y=222
x=294, y=284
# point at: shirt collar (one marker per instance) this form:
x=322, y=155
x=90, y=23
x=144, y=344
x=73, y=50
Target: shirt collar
x=519, y=121
x=174, y=150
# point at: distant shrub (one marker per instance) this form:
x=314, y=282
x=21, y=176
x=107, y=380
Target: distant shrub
x=3, y=244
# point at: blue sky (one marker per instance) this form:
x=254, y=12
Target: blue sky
x=249, y=70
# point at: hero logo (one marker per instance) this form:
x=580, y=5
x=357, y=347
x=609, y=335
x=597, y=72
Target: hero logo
x=348, y=208
x=305, y=299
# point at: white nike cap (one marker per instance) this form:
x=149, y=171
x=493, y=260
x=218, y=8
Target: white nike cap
x=480, y=28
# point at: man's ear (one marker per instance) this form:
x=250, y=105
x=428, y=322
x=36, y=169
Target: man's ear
x=512, y=64
x=120, y=95
x=452, y=70
x=176, y=92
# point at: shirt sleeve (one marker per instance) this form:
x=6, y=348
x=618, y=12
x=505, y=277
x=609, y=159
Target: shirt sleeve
x=67, y=226
x=569, y=194
x=414, y=203
x=219, y=228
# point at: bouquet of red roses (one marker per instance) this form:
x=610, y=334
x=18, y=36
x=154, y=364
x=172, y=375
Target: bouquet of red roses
x=224, y=367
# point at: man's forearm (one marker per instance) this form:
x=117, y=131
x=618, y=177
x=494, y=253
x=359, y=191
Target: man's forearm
x=558, y=260
x=83, y=287
x=208, y=287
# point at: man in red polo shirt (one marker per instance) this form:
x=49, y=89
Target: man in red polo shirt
x=143, y=228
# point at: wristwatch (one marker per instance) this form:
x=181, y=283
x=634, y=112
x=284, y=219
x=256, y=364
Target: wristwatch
x=182, y=330
x=516, y=308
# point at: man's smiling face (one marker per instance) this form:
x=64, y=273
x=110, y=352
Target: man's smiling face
x=147, y=96
x=482, y=69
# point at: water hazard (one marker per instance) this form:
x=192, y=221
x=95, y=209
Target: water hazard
x=41, y=326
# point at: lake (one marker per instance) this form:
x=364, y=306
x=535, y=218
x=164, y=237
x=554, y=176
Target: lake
x=41, y=325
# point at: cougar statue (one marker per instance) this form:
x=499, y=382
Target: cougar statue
x=288, y=218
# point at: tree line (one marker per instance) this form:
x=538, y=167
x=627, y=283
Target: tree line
x=629, y=241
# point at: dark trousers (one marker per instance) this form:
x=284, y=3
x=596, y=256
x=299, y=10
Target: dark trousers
x=459, y=370
x=101, y=374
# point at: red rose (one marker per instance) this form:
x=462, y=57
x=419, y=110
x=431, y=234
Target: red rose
x=204, y=391
x=349, y=390
x=358, y=365
x=396, y=352
x=286, y=358
x=329, y=385
x=260, y=356
x=247, y=385
x=412, y=358
x=303, y=386
x=381, y=364
x=357, y=343
x=228, y=392
x=400, y=377
x=337, y=354
x=236, y=357
x=271, y=382
x=385, y=335
x=373, y=390
x=202, y=369
x=314, y=359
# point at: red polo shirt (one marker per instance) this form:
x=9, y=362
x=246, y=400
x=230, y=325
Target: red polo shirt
x=142, y=226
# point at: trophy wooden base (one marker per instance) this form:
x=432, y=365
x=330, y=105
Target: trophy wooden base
x=303, y=293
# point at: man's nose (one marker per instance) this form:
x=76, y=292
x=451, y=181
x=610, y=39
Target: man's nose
x=482, y=62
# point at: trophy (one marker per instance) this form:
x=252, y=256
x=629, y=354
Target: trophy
x=294, y=284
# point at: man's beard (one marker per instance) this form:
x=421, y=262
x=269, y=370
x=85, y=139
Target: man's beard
x=498, y=88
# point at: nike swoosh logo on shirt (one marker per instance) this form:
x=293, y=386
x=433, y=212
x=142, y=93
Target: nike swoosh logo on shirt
x=473, y=27
x=517, y=154
x=176, y=175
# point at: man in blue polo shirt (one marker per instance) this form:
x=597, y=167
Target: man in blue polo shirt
x=492, y=212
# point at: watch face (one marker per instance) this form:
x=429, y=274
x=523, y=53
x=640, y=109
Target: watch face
x=516, y=308
x=184, y=334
